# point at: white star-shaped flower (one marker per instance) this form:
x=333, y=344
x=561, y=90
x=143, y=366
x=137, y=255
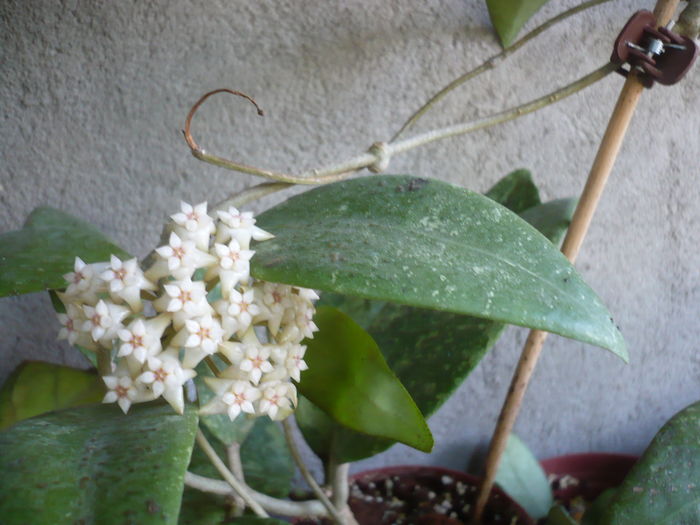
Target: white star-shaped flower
x=242, y=307
x=200, y=337
x=233, y=266
x=84, y=282
x=294, y=362
x=179, y=258
x=103, y=321
x=121, y=389
x=240, y=226
x=125, y=281
x=298, y=323
x=194, y=224
x=274, y=300
x=232, y=397
x=141, y=339
x=255, y=362
x=278, y=400
x=165, y=376
x=185, y=299
x=72, y=325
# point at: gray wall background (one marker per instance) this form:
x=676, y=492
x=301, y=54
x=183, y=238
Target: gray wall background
x=94, y=95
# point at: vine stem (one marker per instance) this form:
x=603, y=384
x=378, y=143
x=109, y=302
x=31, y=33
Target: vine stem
x=237, y=486
x=595, y=184
x=282, y=507
x=380, y=153
x=317, y=490
x=504, y=116
x=492, y=62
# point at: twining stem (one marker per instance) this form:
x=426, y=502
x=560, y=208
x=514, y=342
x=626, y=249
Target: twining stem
x=503, y=116
x=317, y=490
x=492, y=63
x=339, y=482
x=380, y=153
x=282, y=507
x=233, y=453
x=598, y=176
x=238, y=487
x=248, y=195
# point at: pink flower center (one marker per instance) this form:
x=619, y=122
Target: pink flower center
x=121, y=391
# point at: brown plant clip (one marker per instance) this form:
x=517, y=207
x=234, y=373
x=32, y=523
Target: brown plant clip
x=658, y=55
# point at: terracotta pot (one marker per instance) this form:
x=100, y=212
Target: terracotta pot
x=428, y=495
x=586, y=475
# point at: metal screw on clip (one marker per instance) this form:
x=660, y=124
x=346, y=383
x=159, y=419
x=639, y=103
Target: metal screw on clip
x=658, y=55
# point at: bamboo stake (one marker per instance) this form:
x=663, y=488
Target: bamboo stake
x=598, y=176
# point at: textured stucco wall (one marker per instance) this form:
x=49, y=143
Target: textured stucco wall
x=94, y=95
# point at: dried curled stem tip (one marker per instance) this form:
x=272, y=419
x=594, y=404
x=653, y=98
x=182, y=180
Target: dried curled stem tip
x=188, y=121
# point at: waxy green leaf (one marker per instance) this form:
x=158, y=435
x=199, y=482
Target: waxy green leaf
x=448, y=345
x=349, y=379
x=558, y=516
x=663, y=487
x=509, y=16
x=521, y=476
x=516, y=191
x=34, y=388
x=96, y=465
x=429, y=244
x=37, y=256
x=267, y=463
x=254, y=520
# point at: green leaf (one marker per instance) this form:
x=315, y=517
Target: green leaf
x=552, y=219
x=449, y=345
x=254, y=520
x=267, y=463
x=515, y=191
x=349, y=379
x=34, y=388
x=522, y=477
x=96, y=465
x=37, y=256
x=221, y=427
x=429, y=244
x=594, y=513
x=509, y=16
x=199, y=508
x=664, y=485
x=558, y=516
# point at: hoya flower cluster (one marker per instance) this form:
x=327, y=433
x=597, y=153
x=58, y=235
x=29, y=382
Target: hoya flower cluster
x=195, y=300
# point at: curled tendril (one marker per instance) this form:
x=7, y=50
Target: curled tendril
x=188, y=121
